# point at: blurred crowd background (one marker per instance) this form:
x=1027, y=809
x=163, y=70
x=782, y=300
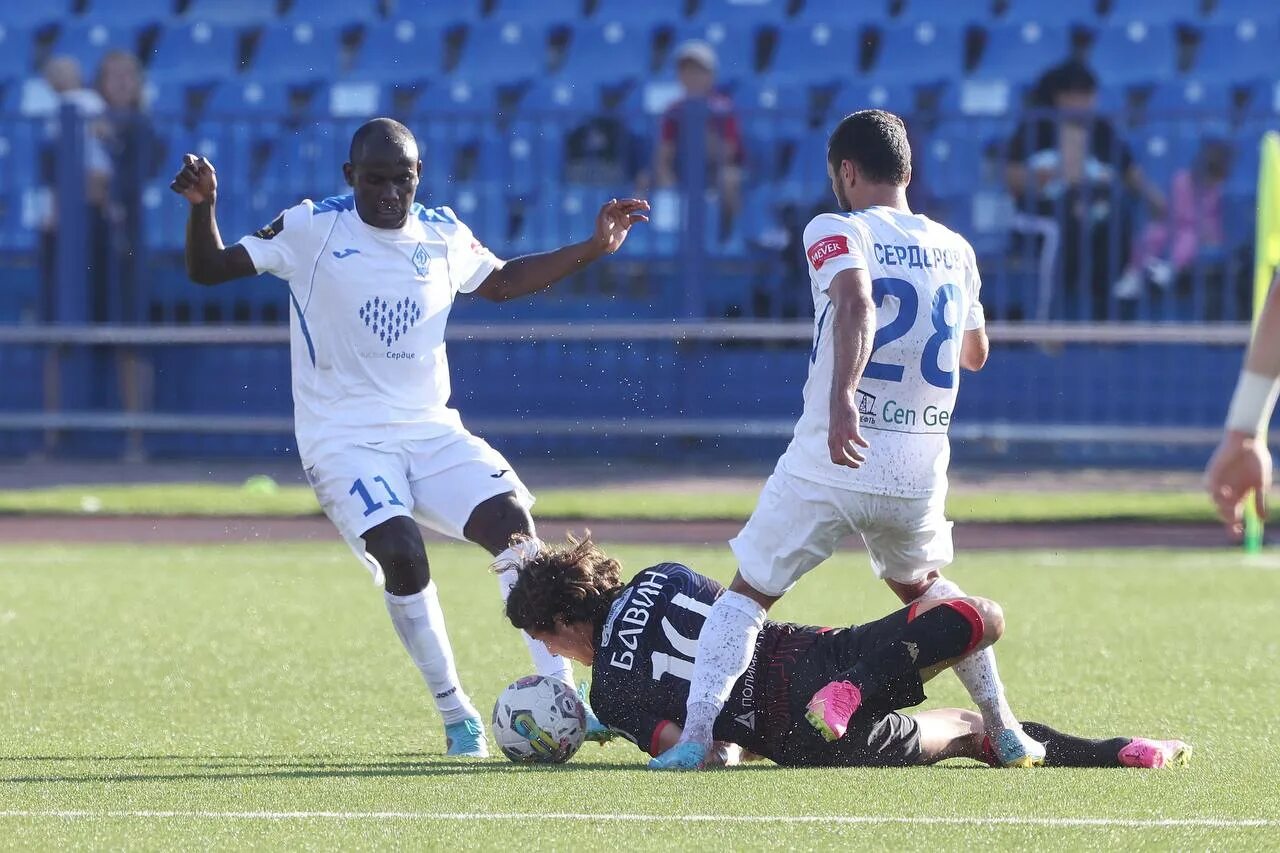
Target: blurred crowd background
x=1100, y=155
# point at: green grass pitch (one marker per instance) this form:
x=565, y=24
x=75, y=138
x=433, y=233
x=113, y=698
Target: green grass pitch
x=164, y=499
x=255, y=695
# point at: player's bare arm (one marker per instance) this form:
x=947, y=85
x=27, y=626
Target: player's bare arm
x=975, y=347
x=532, y=273
x=1242, y=462
x=852, y=332
x=208, y=260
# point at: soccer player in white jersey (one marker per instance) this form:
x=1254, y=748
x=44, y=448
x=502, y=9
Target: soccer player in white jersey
x=372, y=276
x=1242, y=464
x=896, y=316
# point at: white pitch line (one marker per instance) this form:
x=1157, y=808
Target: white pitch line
x=862, y=820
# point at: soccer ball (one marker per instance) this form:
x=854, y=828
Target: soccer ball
x=539, y=720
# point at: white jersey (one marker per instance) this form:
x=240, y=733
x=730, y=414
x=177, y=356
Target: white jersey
x=925, y=285
x=367, y=318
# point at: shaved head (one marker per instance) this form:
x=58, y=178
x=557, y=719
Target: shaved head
x=383, y=172
x=379, y=137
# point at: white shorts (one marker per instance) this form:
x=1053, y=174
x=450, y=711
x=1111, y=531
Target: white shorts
x=438, y=482
x=798, y=523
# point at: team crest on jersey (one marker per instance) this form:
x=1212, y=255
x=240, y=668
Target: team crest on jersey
x=390, y=320
x=420, y=259
x=866, y=408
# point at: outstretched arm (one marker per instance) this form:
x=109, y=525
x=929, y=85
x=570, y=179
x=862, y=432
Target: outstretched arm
x=208, y=261
x=532, y=273
x=1242, y=462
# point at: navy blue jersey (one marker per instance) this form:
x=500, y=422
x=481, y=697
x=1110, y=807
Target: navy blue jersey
x=644, y=661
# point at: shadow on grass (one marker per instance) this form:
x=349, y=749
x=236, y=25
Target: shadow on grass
x=277, y=767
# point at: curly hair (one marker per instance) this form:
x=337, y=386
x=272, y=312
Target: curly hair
x=574, y=582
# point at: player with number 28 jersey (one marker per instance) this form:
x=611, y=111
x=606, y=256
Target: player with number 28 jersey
x=896, y=316
x=925, y=283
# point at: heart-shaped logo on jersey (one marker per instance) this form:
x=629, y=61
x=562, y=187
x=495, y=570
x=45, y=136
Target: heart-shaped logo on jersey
x=390, y=320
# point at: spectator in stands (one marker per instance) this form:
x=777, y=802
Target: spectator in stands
x=63, y=86
x=1072, y=177
x=135, y=150
x=1193, y=231
x=696, y=69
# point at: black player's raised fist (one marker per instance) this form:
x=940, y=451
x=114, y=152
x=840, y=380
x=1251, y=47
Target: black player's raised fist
x=196, y=181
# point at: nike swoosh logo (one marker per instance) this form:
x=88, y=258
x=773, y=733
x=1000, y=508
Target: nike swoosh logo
x=346, y=253
x=500, y=474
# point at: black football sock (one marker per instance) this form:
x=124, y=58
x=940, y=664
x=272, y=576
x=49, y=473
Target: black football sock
x=1062, y=750
x=948, y=630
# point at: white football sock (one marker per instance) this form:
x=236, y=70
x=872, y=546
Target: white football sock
x=725, y=647
x=544, y=663
x=978, y=672
x=419, y=622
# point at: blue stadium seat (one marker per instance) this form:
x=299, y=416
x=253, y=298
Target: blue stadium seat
x=820, y=54
x=951, y=160
x=503, y=54
x=195, y=53
x=652, y=13
x=166, y=97
x=130, y=13
x=1264, y=98
x=249, y=98
x=306, y=162
x=750, y=12
x=555, y=96
x=772, y=108
x=842, y=13
x=457, y=112
x=401, y=52
x=88, y=42
x=1156, y=11
x=1227, y=11
x=354, y=99
x=981, y=96
x=872, y=94
x=534, y=12
x=1241, y=52
x=297, y=53
x=945, y=12
x=920, y=54
x=1021, y=52
x=1164, y=148
x=735, y=46
x=335, y=13
x=231, y=13
x=1189, y=97
x=1135, y=53
x=607, y=54
x=806, y=178
x=1050, y=13
x=16, y=54
x=439, y=14
x=21, y=15
x=526, y=156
